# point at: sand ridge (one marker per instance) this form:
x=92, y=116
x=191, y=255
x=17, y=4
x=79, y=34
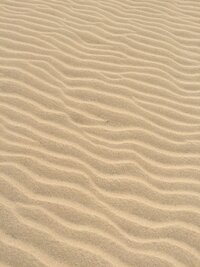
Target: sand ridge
x=100, y=133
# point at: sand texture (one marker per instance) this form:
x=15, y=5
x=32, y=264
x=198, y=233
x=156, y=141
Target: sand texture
x=99, y=133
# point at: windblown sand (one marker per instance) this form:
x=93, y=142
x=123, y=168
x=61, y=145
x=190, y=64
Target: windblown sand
x=100, y=133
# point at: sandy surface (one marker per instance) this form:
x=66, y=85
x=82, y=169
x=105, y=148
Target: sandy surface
x=100, y=133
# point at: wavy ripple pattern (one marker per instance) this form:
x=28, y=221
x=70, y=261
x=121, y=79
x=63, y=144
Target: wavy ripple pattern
x=100, y=133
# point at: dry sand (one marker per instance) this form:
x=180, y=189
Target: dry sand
x=100, y=133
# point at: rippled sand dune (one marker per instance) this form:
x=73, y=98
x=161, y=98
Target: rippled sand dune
x=100, y=133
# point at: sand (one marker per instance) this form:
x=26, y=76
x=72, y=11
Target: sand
x=100, y=133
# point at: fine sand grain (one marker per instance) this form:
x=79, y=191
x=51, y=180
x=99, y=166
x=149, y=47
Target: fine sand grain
x=99, y=133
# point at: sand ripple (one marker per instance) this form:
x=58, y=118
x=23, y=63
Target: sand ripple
x=100, y=133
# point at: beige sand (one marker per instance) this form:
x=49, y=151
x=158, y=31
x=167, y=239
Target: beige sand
x=100, y=133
